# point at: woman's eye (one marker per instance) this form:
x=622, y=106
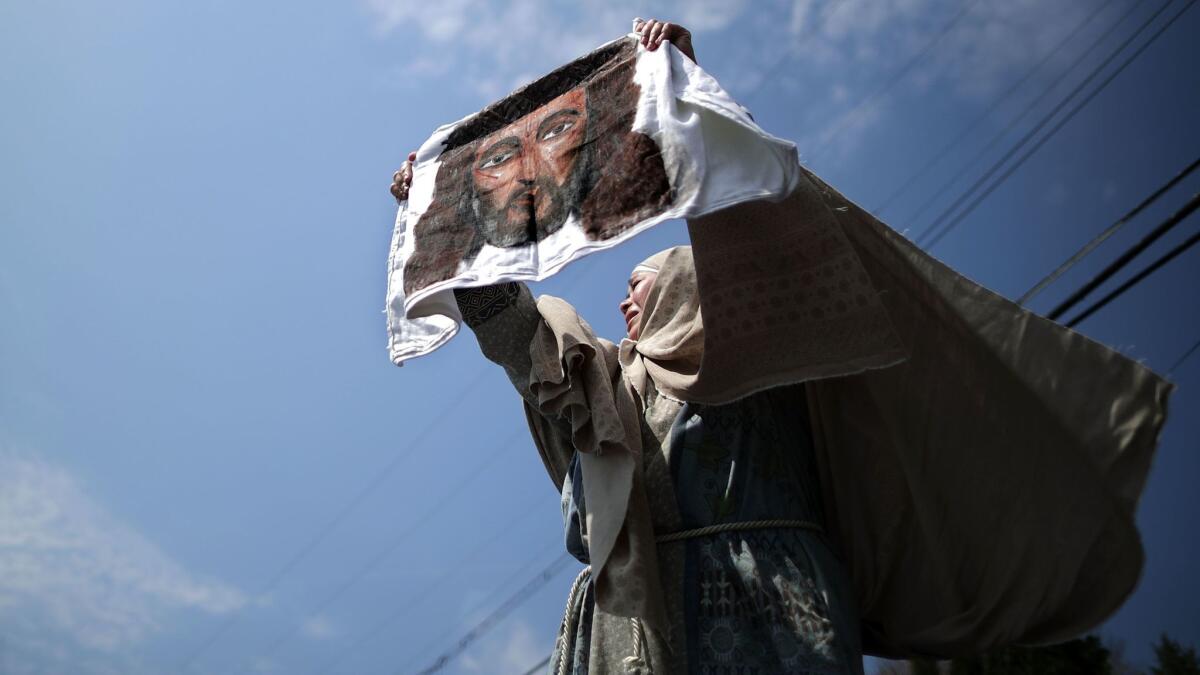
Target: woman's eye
x=497, y=159
x=558, y=129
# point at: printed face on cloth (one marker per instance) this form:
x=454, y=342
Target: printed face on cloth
x=527, y=176
x=562, y=150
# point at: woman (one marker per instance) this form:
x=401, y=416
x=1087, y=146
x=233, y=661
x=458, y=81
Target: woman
x=766, y=595
x=975, y=467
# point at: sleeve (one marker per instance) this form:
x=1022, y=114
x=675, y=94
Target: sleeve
x=505, y=319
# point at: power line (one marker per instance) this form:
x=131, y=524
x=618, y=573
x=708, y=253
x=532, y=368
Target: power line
x=1182, y=358
x=1136, y=279
x=500, y=588
x=826, y=12
x=1108, y=232
x=1125, y=258
x=954, y=143
x=892, y=80
x=941, y=218
x=354, y=502
x=1070, y=115
x=407, y=606
x=546, y=661
x=400, y=538
x=514, y=601
x=1029, y=107
x=337, y=520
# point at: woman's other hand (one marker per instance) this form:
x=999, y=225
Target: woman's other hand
x=655, y=32
x=402, y=179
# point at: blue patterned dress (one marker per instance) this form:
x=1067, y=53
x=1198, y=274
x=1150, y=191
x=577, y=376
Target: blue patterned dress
x=743, y=602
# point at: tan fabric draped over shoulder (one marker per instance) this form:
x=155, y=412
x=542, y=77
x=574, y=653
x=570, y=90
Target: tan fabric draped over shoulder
x=576, y=377
x=980, y=465
x=983, y=491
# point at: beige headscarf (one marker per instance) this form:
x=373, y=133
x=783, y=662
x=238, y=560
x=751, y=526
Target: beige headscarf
x=980, y=491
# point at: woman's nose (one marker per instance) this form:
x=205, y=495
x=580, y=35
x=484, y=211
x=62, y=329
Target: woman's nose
x=625, y=304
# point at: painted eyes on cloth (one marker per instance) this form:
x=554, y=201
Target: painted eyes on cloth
x=498, y=158
x=558, y=129
x=505, y=150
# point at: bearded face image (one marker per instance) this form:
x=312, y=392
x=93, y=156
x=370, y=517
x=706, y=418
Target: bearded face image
x=561, y=150
x=527, y=176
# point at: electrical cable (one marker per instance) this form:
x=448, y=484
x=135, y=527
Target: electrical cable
x=1183, y=358
x=407, y=606
x=954, y=143
x=337, y=520
x=950, y=225
x=400, y=538
x=516, y=600
x=829, y=9
x=354, y=502
x=1136, y=279
x=891, y=81
x=546, y=661
x=1125, y=258
x=1029, y=107
x=1108, y=232
x=495, y=594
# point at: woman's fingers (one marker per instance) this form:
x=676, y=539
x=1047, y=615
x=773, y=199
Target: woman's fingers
x=402, y=178
x=652, y=33
x=644, y=31
x=656, y=35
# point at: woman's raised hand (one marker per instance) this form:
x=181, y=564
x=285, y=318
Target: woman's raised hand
x=655, y=32
x=402, y=179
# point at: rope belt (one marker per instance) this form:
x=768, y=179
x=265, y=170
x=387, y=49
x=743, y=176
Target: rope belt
x=734, y=527
x=636, y=663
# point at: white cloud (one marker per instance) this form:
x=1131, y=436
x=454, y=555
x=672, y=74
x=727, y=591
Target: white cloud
x=490, y=44
x=802, y=46
x=860, y=44
x=317, y=628
x=513, y=650
x=70, y=569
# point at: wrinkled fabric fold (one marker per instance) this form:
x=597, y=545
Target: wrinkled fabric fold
x=982, y=492
x=575, y=377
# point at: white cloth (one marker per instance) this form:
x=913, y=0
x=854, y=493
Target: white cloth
x=714, y=155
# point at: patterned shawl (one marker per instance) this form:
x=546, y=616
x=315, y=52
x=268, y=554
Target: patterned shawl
x=980, y=465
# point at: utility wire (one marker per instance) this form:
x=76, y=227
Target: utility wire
x=954, y=143
x=1184, y=357
x=1136, y=279
x=891, y=81
x=1029, y=107
x=516, y=600
x=951, y=224
x=1125, y=258
x=355, y=501
x=346, y=510
x=830, y=7
x=500, y=588
x=400, y=538
x=1108, y=232
x=546, y=661
x=406, y=607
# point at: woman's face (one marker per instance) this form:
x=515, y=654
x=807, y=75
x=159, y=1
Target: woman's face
x=640, y=284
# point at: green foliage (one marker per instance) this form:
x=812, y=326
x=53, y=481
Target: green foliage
x=1174, y=659
x=1085, y=656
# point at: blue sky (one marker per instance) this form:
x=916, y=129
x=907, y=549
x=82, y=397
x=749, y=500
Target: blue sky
x=193, y=229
